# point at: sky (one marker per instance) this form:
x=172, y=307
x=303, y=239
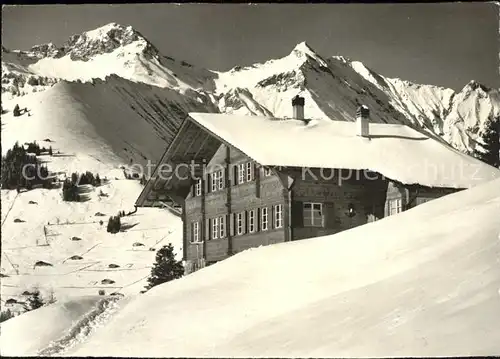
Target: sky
x=444, y=44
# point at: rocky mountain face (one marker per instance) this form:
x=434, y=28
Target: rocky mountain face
x=333, y=87
x=460, y=118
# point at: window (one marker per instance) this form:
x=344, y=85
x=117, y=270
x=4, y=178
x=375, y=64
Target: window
x=222, y=227
x=278, y=216
x=195, y=226
x=263, y=219
x=215, y=228
x=251, y=221
x=313, y=214
x=240, y=223
x=197, y=188
x=267, y=172
x=395, y=206
x=217, y=180
x=249, y=166
x=218, y=227
x=241, y=173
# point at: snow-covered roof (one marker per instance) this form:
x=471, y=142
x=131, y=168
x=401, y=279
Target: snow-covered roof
x=396, y=151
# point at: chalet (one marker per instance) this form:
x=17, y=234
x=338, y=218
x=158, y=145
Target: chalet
x=247, y=181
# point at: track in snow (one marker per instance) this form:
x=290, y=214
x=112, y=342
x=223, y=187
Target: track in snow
x=8, y=211
x=83, y=328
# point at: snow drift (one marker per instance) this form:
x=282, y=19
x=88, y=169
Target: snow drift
x=394, y=287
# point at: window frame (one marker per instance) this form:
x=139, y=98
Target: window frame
x=278, y=216
x=241, y=173
x=195, y=232
x=264, y=214
x=398, y=208
x=309, y=221
x=249, y=172
x=222, y=227
x=217, y=181
x=252, y=228
x=268, y=172
x=197, y=188
x=240, y=223
x=215, y=228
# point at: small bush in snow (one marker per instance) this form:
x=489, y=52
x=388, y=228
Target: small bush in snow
x=6, y=314
x=33, y=81
x=42, y=264
x=114, y=224
x=70, y=191
x=16, y=111
x=166, y=268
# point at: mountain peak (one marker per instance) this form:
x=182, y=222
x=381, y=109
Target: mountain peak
x=104, y=30
x=303, y=49
x=104, y=39
x=474, y=86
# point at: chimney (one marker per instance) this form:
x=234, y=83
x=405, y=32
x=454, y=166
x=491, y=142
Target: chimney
x=298, y=107
x=363, y=121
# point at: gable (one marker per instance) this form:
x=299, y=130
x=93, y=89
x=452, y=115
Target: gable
x=172, y=177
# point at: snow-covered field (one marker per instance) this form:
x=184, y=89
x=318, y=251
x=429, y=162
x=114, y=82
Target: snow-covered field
x=86, y=130
x=46, y=235
x=425, y=282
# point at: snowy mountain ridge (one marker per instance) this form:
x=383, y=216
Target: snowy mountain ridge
x=333, y=87
x=459, y=117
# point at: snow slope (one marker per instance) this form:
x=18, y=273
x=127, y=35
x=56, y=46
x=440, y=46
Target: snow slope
x=96, y=127
x=388, y=288
x=61, y=316
x=114, y=120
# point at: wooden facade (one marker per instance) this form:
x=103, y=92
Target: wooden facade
x=231, y=203
x=342, y=199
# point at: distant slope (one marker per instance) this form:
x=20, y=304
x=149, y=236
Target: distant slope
x=114, y=118
x=376, y=290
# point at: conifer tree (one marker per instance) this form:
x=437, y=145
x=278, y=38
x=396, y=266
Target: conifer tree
x=16, y=111
x=490, y=144
x=166, y=268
